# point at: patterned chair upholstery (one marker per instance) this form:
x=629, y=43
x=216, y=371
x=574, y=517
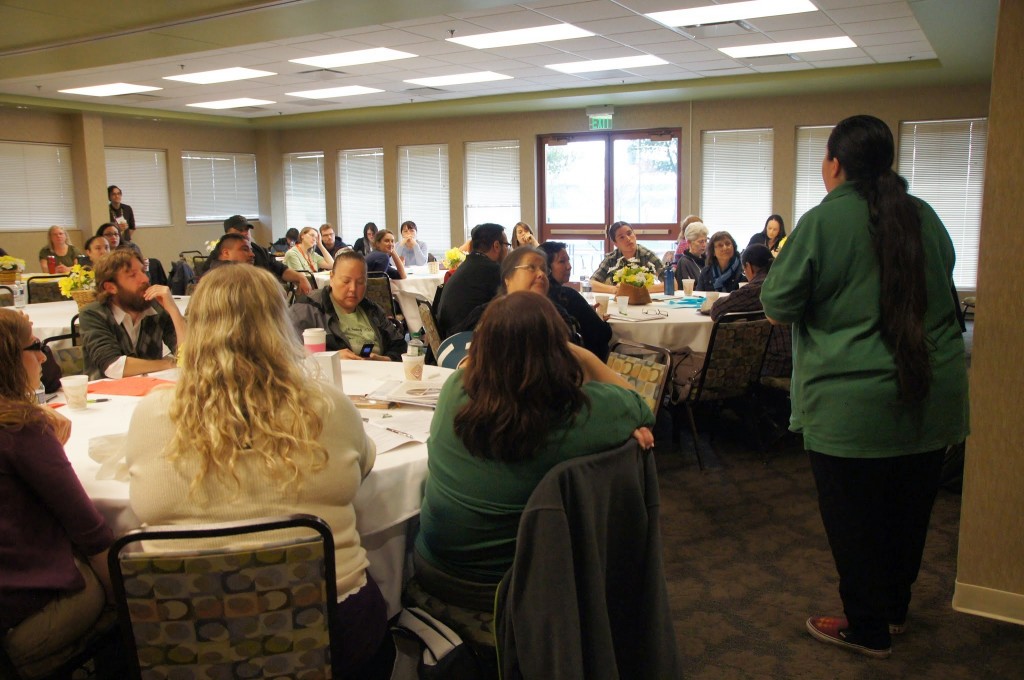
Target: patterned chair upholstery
x=429, y=326
x=44, y=289
x=70, y=359
x=732, y=363
x=378, y=289
x=644, y=367
x=257, y=607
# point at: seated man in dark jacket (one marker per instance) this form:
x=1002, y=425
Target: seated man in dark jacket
x=350, y=320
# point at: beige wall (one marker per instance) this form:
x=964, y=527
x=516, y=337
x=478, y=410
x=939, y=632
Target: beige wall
x=89, y=133
x=990, y=567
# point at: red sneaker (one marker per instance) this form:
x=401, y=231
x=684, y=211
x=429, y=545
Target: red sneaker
x=832, y=629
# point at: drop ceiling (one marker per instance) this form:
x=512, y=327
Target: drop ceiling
x=49, y=46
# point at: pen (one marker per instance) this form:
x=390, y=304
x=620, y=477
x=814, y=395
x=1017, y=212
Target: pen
x=98, y=401
x=399, y=432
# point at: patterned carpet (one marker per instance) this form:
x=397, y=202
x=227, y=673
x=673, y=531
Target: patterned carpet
x=747, y=562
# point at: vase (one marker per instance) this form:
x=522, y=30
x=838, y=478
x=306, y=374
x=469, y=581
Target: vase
x=638, y=295
x=9, y=277
x=84, y=297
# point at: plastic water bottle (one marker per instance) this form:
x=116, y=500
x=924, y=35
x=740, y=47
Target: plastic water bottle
x=415, y=345
x=585, y=289
x=40, y=394
x=670, y=280
x=19, y=294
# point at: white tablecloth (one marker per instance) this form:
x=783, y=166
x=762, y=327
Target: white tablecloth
x=388, y=497
x=683, y=327
x=54, y=318
x=418, y=281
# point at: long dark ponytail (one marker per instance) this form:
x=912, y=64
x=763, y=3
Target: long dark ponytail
x=865, y=150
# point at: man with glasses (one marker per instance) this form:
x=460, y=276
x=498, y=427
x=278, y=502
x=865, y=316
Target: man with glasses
x=476, y=280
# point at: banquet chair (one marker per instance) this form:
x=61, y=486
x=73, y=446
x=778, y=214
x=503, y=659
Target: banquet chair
x=70, y=359
x=453, y=349
x=378, y=289
x=6, y=296
x=586, y=595
x=644, y=367
x=429, y=326
x=45, y=289
x=251, y=598
x=731, y=366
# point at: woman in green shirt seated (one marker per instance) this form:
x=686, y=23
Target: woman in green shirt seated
x=526, y=400
x=303, y=256
x=59, y=246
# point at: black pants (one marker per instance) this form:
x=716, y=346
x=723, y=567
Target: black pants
x=876, y=513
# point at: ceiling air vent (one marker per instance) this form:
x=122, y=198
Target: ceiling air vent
x=723, y=29
x=324, y=72
x=426, y=91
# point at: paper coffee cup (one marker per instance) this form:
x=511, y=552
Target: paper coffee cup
x=76, y=390
x=433, y=267
x=315, y=340
x=711, y=295
x=688, y=287
x=623, y=302
x=413, y=366
x=602, y=304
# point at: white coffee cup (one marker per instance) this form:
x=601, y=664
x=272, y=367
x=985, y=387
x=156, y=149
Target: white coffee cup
x=315, y=340
x=413, y=366
x=623, y=302
x=76, y=390
x=433, y=267
x=711, y=295
x=688, y=287
x=602, y=304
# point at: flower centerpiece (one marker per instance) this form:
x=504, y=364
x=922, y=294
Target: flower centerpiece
x=80, y=284
x=453, y=258
x=634, y=279
x=10, y=269
x=210, y=245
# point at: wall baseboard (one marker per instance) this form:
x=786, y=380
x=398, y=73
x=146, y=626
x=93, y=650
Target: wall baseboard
x=994, y=604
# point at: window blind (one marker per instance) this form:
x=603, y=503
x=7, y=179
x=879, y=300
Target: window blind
x=810, y=189
x=944, y=163
x=360, y=191
x=492, y=183
x=304, y=202
x=736, y=181
x=36, y=189
x=141, y=175
x=423, y=193
x=219, y=185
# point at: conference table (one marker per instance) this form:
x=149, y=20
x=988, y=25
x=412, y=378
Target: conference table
x=54, y=318
x=419, y=282
x=386, y=506
x=663, y=323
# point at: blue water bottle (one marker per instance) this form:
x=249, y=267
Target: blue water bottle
x=670, y=280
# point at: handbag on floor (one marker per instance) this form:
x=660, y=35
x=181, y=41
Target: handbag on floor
x=426, y=649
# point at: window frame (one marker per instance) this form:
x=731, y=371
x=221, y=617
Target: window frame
x=30, y=172
x=250, y=212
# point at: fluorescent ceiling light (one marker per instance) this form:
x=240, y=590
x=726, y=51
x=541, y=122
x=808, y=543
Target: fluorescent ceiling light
x=222, y=75
x=794, y=47
x=371, y=56
x=332, y=92
x=111, y=90
x=522, y=36
x=608, y=64
x=232, y=103
x=735, y=11
x=459, y=79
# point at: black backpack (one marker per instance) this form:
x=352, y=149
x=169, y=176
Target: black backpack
x=181, y=276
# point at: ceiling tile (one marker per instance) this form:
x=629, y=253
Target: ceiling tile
x=619, y=25
x=587, y=11
x=881, y=26
x=889, y=10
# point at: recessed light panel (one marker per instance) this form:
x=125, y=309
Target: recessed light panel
x=371, y=56
x=794, y=47
x=522, y=36
x=459, y=79
x=334, y=92
x=734, y=11
x=608, y=64
x=223, y=75
x=110, y=90
x=232, y=103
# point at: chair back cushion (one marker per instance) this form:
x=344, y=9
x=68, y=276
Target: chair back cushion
x=378, y=290
x=645, y=368
x=454, y=349
x=429, y=326
x=734, y=359
x=70, y=359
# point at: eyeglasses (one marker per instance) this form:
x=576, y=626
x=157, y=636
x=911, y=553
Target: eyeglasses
x=532, y=268
x=36, y=346
x=506, y=244
x=655, y=312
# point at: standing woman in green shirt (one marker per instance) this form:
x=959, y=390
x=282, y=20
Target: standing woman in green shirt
x=879, y=384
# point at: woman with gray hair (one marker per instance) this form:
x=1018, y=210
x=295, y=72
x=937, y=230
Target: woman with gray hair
x=692, y=260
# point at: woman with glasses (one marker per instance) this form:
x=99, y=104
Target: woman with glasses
x=526, y=400
x=723, y=271
x=53, y=542
x=693, y=259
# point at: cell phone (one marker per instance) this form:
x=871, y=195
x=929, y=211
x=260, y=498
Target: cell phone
x=366, y=350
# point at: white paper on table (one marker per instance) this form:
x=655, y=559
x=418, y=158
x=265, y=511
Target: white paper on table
x=636, y=317
x=387, y=438
x=108, y=451
x=416, y=392
x=412, y=422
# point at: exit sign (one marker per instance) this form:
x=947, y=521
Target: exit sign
x=600, y=123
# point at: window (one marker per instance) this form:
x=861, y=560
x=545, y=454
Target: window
x=141, y=175
x=492, y=184
x=810, y=189
x=219, y=185
x=590, y=180
x=944, y=163
x=36, y=190
x=304, y=202
x=360, y=191
x=423, y=195
x=736, y=181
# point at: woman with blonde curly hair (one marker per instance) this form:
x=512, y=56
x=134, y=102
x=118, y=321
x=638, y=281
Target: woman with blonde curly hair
x=245, y=434
x=53, y=542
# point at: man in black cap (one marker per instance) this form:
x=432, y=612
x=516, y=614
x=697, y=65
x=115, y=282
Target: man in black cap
x=261, y=258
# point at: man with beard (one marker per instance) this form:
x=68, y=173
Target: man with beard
x=133, y=327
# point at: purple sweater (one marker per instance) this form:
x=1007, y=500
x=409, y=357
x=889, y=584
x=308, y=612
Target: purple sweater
x=45, y=517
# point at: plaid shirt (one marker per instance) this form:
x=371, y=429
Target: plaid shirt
x=614, y=261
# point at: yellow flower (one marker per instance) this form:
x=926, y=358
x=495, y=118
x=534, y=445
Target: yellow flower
x=453, y=258
x=634, y=274
x=79, y=278
x=9, y=263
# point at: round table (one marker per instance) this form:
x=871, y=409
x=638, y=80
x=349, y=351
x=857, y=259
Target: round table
x=682, y=327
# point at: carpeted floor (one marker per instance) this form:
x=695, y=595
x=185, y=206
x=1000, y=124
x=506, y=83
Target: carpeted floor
x=747, y=562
